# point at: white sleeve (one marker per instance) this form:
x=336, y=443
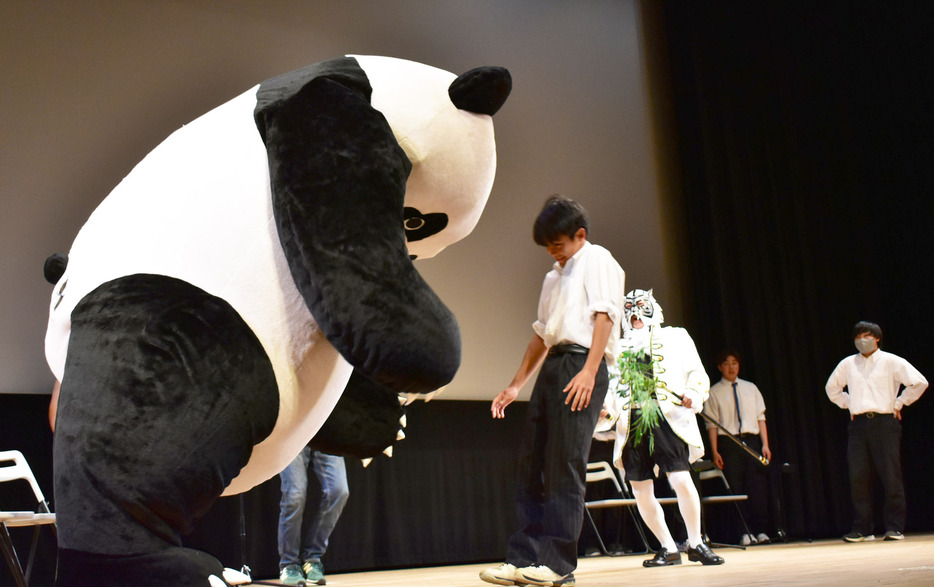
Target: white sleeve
x=760, y=404
x=696, y=383
x=914, y=382
x=712, y=409
x=835, y=385
x=605, y=284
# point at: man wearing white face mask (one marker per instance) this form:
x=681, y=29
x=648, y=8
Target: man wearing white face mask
x=873, y=378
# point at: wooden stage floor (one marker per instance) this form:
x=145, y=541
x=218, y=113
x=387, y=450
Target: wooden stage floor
x=825, y=562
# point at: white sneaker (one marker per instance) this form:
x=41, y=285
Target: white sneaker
x=542, y=575
x=747, y=540
x=505, y=574
x=763, y=538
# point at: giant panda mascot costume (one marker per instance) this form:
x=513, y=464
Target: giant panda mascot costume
x=248, y=287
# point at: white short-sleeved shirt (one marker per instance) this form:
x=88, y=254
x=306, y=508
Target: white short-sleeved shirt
x=590, y=282
x=721, y=406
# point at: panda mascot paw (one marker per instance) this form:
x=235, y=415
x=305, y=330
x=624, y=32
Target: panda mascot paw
x=249, y=288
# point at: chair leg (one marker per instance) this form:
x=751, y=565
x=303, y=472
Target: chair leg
x=723, y=544
x=597, y=533
x=638, y=524
x=9, y=553
x=32, y=553
x=739, y=512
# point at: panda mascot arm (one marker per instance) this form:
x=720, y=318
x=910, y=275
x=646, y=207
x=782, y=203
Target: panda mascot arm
x=237, y=286
x=343, y=236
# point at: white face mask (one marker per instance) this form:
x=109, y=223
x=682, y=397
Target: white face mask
x=641, y=304
x=865, y=345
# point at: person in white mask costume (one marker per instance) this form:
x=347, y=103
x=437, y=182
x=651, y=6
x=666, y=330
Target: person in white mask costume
x=662, y=386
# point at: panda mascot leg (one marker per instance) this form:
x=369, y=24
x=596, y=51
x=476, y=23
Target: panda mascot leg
x=166, y=391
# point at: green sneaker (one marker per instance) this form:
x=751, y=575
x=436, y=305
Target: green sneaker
x=314, y=571
x=292, y=575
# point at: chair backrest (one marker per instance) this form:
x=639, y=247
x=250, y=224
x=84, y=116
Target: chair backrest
x=602, y=471
x=714, y=473
x=19, y=469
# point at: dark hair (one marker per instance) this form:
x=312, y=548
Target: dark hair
x=559, y=216
x=723, y=355
x=870, y=327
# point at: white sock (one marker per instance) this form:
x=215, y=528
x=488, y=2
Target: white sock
x=652, y=514
x=688, y=503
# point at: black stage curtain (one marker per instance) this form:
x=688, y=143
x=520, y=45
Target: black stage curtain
x=445, y=497
x=796, y=141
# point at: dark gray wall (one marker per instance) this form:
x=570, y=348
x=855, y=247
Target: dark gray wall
x=88, y=89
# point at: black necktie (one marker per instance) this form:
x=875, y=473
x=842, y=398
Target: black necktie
x=738, y=417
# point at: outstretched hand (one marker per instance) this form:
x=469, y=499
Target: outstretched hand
x=534, y=355
x=503, y=399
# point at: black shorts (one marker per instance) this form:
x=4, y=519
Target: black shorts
x=667, y=451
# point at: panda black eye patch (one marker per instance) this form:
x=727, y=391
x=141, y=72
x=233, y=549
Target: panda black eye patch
x=419, y=226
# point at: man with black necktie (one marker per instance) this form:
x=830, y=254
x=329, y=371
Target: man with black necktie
x=738, y=405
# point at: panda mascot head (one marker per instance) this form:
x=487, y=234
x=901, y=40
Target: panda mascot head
x=249, y=288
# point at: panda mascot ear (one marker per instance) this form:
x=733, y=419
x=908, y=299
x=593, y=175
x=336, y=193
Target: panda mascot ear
x=482, y=90
x=54, y=267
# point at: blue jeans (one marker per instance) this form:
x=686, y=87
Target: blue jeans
x=332, y=475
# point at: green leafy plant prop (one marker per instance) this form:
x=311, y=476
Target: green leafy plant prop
x=639, y=388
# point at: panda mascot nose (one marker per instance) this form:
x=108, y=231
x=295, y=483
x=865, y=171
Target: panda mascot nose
x=482, y=90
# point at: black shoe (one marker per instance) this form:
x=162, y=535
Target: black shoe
x=893, y=535
x=857, y=537
x=663, y=558
x=703, y=554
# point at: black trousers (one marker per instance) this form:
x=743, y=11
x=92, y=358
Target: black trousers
x=875, y=448
x=746, y=475
x=550, y=481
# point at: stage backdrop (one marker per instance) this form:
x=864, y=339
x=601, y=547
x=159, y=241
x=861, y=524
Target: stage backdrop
x=89, y=89
x=794, y=142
